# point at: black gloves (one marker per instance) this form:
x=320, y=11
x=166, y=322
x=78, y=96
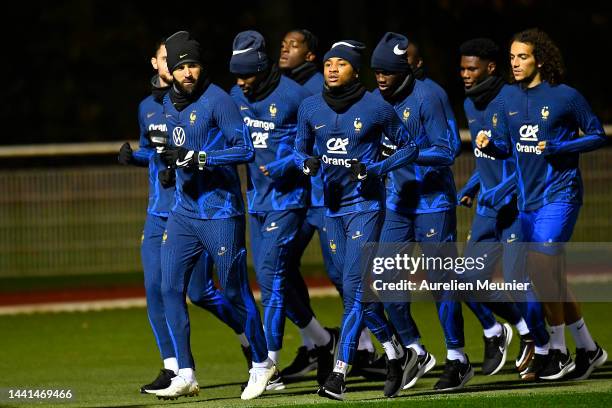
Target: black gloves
x=311, y=166
x=167, y=178
x=125, y=154
x=179, y=157
x=358, y=170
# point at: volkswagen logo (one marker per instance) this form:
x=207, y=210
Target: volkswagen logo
x=178, y=136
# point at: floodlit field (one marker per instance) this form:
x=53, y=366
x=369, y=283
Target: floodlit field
x=104, y=357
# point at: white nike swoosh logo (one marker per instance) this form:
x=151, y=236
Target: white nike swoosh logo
x=222, y=252
x=343, y=43
x=180, y=163
x=509, y=240
x=398, y=51
x=243, y=108
x=430, y=234
x=271, y=228
x=238, y=52
x=150, y=114
x=512, y=113
x=317, y=127
x=183, y=56
x=356, y=236
x=471, y=120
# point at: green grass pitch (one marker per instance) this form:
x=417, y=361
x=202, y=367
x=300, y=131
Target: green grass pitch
x=104, y=357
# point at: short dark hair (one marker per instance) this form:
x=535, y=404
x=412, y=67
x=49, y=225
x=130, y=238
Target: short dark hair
x=158, y=44
x=417, y=47
x=311, y=40
x=545, y=52
x=484, y=48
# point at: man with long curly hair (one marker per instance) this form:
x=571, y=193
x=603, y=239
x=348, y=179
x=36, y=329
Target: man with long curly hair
x=541, y=120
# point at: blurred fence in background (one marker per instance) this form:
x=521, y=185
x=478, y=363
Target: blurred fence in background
x=86, y=220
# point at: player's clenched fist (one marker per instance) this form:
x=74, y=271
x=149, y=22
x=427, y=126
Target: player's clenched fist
x=311, y=166
x=482, y=140
x=125, y=156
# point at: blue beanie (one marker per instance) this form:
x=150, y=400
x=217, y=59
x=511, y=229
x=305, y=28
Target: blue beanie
x=348, y=50
x=182, y=49
x=390, y=54
x=249, y=54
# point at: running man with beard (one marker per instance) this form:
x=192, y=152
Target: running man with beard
x=201, y=289
x=208, y=141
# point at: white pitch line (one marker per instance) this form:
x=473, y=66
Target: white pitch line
x=125, y=303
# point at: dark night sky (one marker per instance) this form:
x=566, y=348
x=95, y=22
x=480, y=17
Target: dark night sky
x=78, y=69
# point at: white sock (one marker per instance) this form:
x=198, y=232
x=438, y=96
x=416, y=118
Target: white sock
x=264, y=364
x=171, y=363
x=341, y=367
x=244, y=342
x=456, y=354
x=392, y=349
x=416, y=346
x=365, y=341
x=317, y=333
x=557, y=338
x=581, y=335
x=521, y=327
x=494, y=331
x=187, y=373
x=306, y=340
x=542, y=350
x=274, y=356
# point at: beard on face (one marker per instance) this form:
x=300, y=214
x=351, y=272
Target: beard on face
x=187, y=88
x=167, y=77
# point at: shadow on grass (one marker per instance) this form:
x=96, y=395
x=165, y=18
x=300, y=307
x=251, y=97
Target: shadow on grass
x=507, y=385
x=358, y=384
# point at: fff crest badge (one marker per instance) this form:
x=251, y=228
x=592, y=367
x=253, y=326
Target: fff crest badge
x=406, y=114
x=357, y=124
x=273, y=110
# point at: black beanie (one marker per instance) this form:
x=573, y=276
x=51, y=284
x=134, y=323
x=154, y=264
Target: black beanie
x=249, y=54
x=390, y=54
x=181, y=49
x=349, y=50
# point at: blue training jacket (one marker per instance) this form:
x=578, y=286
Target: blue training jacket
x=495, y=178
x=151, y=117
x=353, y=134
x=272, y=123
x=553, y=114
x=212, y=124
x=427, y=185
